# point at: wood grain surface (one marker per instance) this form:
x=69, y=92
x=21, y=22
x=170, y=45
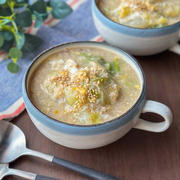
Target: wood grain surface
x=139, y=155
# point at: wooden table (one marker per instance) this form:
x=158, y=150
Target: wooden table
x=139, y=155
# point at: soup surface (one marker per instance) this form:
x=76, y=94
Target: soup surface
x=142, y=13
x=84, y=86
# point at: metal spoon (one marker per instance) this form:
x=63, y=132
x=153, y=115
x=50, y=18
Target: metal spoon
x=13, y=145
x=6, y=171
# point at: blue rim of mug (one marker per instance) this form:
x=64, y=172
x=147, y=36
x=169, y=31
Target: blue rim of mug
x=84, y=129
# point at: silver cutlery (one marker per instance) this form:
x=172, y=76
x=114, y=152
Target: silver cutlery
x=13, y=145
x=6, y=171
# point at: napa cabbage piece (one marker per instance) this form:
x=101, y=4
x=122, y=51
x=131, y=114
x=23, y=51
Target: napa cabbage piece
x=98, y=90
x=111, y=67
x=71, y=95
x=86, y=117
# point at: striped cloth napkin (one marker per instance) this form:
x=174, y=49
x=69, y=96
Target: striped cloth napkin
x=76, y=27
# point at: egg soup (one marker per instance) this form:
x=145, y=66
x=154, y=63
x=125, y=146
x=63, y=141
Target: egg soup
x=141, y=13
x=84, y=86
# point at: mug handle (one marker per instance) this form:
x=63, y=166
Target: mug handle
x=157, y=108
x=176, y=47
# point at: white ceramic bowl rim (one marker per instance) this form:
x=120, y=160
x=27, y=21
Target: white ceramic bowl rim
x=133, y=30
x=121, y=120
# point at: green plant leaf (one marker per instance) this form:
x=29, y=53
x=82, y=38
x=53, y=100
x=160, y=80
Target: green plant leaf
x=7, y=35
x=1, y=41
x=39, y=18
x=39, y=21
x=31, y=43
x=5, y=11
x=60, y=9
x=20, y=40
x=4, y=21
x=2, y=1
x=24, y=19
x=15, y=53
x=21, y=1
x=39, y=6
x=7, y=45
x=11, y=5
x=13, y=67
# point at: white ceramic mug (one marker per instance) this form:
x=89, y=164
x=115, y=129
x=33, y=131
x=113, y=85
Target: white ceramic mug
x=136, y=41
x=93, y=136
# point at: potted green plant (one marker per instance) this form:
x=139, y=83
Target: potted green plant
x=16, y=16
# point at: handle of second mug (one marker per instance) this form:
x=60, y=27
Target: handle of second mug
x=176, y=47
x=157, y=108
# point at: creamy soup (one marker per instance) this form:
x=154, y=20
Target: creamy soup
x=142, y=13
x=84, y=86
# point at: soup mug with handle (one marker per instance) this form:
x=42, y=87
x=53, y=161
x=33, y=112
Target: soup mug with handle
x=93, y=136
x=136, y=41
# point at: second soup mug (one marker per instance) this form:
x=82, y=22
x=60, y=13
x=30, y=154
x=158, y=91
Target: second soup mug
x=136, y=41
x=93, y=136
